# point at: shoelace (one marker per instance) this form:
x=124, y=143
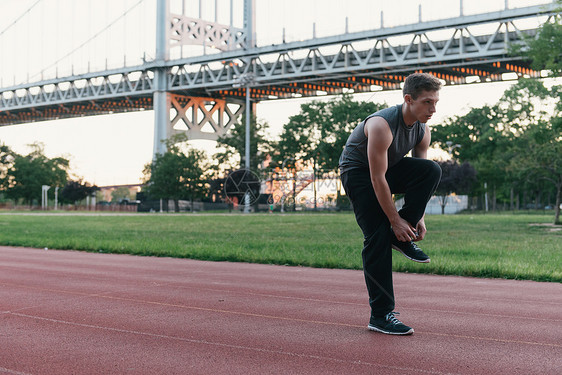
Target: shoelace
x=416, y=248
x=391, y=317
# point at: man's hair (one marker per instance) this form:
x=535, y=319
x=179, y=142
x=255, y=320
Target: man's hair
x=415, y=83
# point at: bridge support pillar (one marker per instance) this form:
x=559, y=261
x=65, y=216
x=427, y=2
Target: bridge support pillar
x=198, y=117
x=161, y=101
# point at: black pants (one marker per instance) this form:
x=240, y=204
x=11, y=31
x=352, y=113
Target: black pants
x=417, y=179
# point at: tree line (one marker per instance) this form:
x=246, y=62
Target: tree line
x=510, y=150
x=22, y=177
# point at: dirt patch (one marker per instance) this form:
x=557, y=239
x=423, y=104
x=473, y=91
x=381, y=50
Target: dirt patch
x=550, y=226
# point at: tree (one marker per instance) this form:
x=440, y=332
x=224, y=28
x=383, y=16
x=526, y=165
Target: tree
x=317, y=134
x=481, y=142
x=542, y=159
x=544, y=50
x=120, y=194
x=455, y=178
x=491, y=136
x=538, y=152
x=513, y=144
x=6, y=161
x=523, y=109
x=235, y=144
x=176, y=174
x=75, y=191
x=28, y=173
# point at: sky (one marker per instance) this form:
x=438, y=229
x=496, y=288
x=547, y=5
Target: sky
x=90, y=34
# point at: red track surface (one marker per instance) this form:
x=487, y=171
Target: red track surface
x=66, y=312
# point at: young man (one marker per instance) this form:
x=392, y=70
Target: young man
x=373, y=166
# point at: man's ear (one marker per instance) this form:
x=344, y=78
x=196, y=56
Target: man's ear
x=408, y=98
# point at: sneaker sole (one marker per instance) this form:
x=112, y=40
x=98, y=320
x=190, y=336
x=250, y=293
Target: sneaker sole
x=373, y=328
x=415, y=260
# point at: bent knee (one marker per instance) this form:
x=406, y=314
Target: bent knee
x=431, y=168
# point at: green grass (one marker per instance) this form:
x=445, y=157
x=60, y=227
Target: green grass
x=499, y=246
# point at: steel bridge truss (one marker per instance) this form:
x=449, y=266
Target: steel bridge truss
x=186, y=30
x=380, y=58
x=202, y=118
x=459, y=51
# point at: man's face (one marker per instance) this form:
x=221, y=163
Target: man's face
x=424, y=106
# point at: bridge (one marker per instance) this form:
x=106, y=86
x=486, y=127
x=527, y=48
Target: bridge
x=205, y=94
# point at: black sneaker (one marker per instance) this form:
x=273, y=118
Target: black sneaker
x=410, y=250
x=390, y=325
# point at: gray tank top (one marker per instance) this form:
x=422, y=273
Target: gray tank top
x=404, y=138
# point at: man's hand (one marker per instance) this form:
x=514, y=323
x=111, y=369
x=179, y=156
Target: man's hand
x=403, y=230
x=421, y=230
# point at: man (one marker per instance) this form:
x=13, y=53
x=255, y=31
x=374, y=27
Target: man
x=373, y=166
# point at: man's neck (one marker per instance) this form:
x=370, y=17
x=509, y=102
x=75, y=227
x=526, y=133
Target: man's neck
x=409, y=120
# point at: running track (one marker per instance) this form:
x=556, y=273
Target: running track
x=66, y=312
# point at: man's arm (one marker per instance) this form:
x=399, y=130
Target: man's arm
x=420, y=151
x=379, y=139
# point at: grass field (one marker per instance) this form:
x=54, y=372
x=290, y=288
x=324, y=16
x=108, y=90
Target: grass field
x=499, y=246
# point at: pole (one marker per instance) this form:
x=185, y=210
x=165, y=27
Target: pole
x=294, y=188
x=249, y=26
x=314, y=181
x=231, y=38
x=486, y=195
x=247, y=196
x=44, y=196
x=56, y=198
x=160, y=96
x=250, y=22
x=294, y=182
x=247, y=127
